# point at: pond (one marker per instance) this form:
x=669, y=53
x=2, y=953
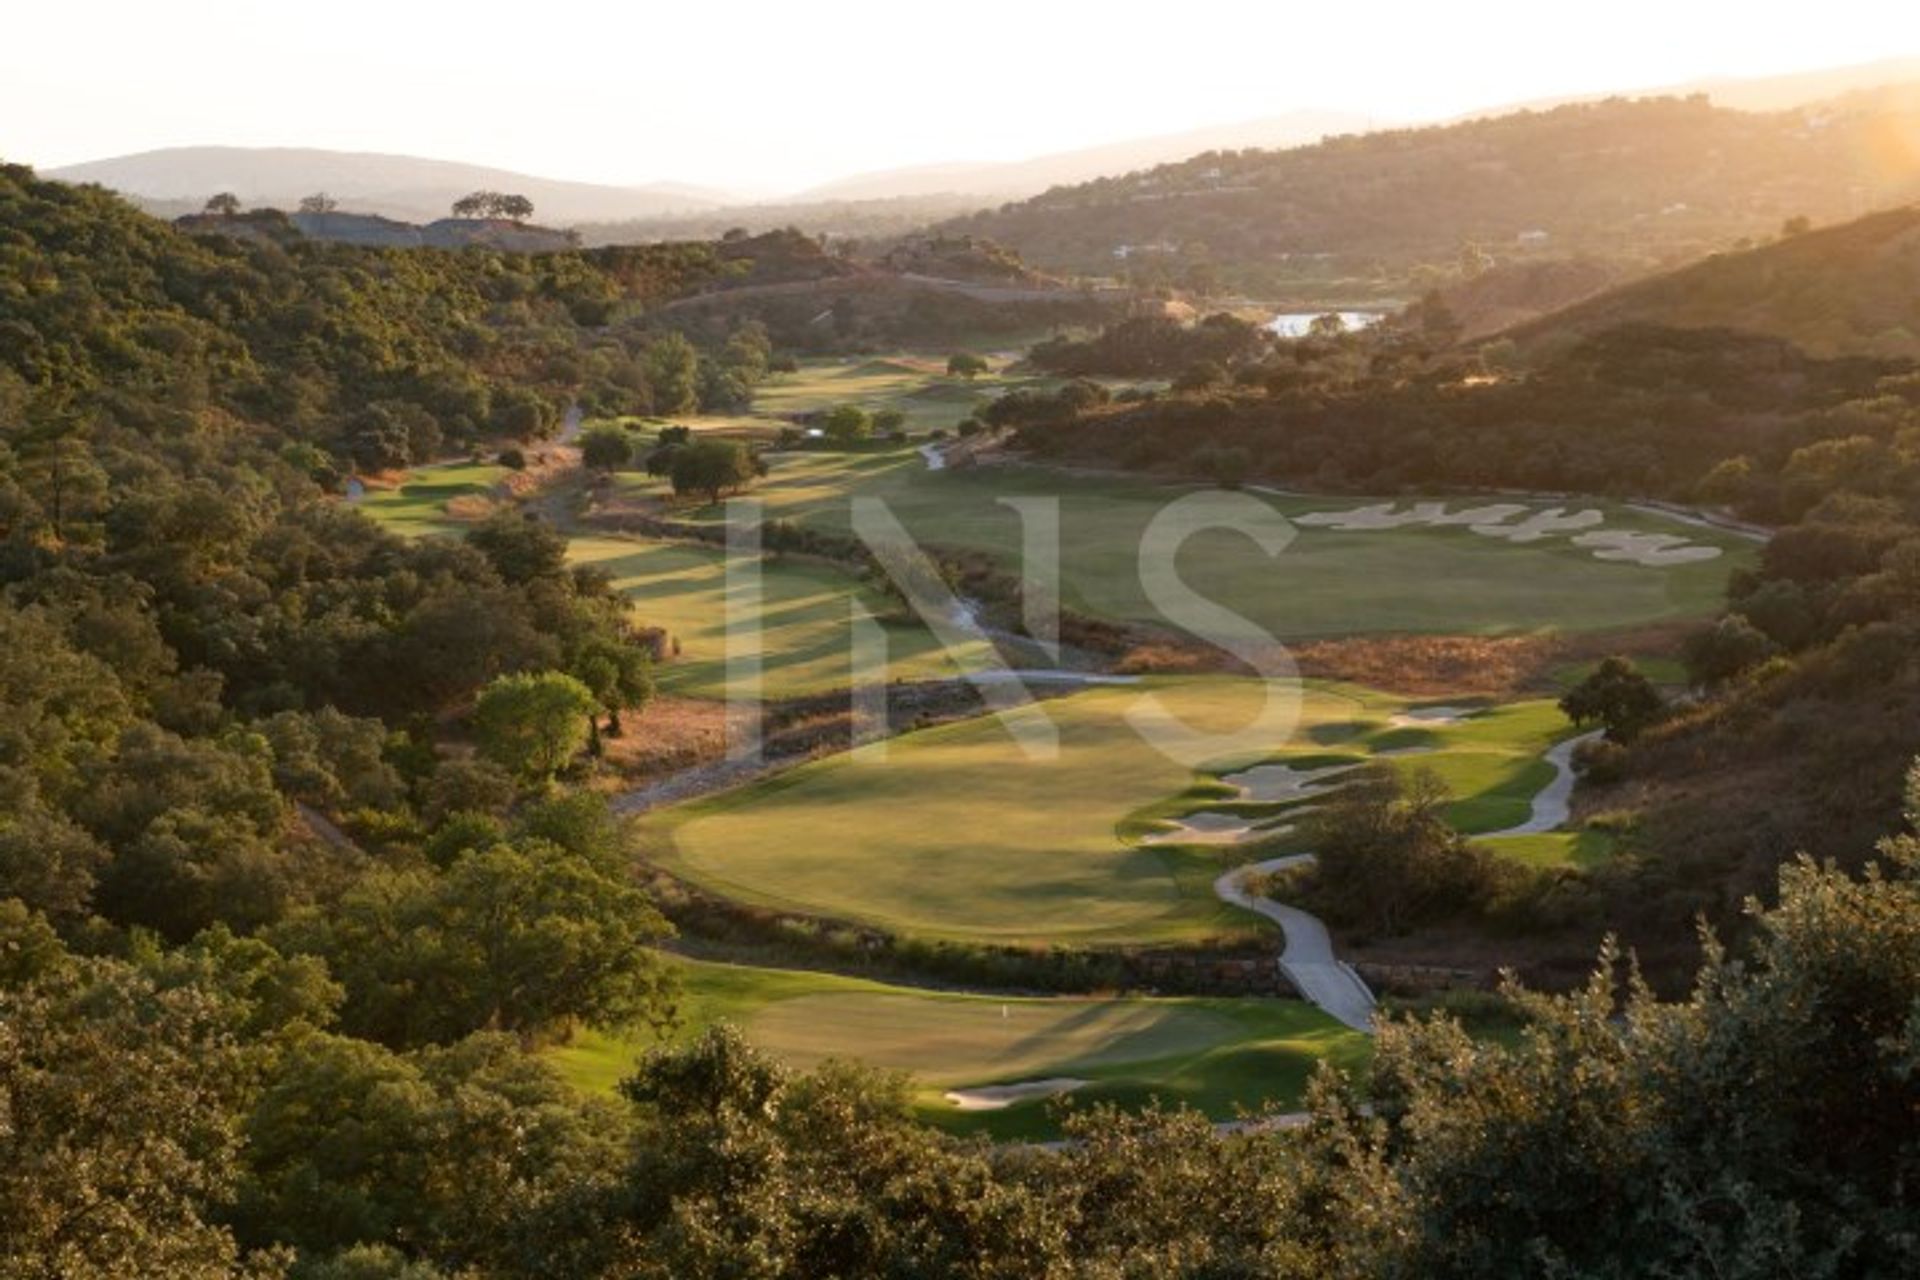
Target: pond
x=1295, y=324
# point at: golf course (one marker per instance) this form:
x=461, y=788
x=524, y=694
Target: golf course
x=1109, y=842
x=1329, y=580
x=1061, y=823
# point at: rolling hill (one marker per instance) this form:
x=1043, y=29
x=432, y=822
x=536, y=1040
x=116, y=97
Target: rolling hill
x=1843, y=290
x=1651, y=181
x=411, y=188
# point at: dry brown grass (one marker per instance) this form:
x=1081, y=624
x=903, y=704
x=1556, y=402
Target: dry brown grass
x=1422, y=665
x=668, y=734
x=470, y=507
x=1497, y=666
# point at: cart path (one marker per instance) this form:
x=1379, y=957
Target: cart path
x=1308, y=960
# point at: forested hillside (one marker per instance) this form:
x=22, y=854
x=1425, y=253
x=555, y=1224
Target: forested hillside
x=1645, y=181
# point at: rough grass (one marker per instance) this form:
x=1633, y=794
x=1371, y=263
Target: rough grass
x=1580, y=849
x=1214, y=1054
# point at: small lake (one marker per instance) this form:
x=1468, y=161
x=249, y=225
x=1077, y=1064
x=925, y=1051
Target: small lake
x=1294, y=324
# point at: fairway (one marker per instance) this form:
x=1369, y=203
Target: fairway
x=955, y=833
x=1327, y=581
x=804, y=638
x=418, y=506
x=1215, y=1054
x=915, y=385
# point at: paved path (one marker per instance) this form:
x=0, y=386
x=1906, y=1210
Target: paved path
x=1321, y=977
x=1308, y=959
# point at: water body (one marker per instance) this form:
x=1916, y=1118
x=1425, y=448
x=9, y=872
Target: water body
x=1294, y=324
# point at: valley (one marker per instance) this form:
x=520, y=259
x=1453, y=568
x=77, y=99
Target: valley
x=1334, y=696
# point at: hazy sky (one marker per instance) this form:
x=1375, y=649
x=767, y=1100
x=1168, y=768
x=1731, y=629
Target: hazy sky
x=773, y=96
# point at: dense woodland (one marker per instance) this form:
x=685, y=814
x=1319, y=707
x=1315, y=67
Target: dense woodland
x=237, y=1040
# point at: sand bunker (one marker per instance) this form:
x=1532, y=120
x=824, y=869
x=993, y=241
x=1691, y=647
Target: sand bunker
x=1274, y=783
x=998, y=1097
x=1644, y=548
x=1205, y=828
x=1497, y=520
x=1550, y=523
x=1424, y=717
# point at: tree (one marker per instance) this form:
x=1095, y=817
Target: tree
x=711, y=467
x=118, y=1134
x=617, y=672
x=1388, y=861
x=1730, y=647
x=607, y=447
x=516, y=208
x=847, y=424
x=224, y=205
x=475, y=204
x=520, y=546
x=965, y=364
x=673, y=371
x=318, y=202
x=889, y=424
x=1617, y=697
x=1202, y=375
x=532, y=724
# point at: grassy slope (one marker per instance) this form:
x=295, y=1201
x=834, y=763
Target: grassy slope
x=1326, y=583
x=959, y=835
x=954, y=834
x=1213, y=1054
x=805, y=617
x=1840, y=290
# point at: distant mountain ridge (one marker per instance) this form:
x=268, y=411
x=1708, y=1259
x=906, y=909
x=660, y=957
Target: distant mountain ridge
x=409, y=188
x=1017, y=179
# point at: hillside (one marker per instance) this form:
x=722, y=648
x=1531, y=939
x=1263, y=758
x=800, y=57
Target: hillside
x=1848, y=289
x=1652, y=181
x=409, y=188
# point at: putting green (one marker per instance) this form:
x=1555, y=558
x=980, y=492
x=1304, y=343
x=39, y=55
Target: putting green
x=1215, y=1054
x=1327, y=582
x=1489, y=759
x=956, y=833
x=804, y=638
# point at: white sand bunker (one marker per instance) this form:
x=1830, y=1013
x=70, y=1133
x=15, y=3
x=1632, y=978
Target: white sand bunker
x=1644, y=548
x=1550, y=523
x=998, y=1097
x=1425, y=717
x=1205, y=828
x=1274, y=783
x=1498, y=520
